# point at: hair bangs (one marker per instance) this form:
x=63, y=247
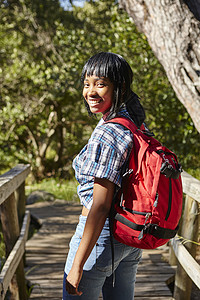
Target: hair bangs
x=102, y=65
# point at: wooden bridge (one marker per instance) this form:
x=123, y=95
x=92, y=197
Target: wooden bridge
x=45, y=253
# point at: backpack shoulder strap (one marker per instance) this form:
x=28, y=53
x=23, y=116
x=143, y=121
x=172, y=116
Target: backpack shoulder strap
x=125, y=122
x=140, y=143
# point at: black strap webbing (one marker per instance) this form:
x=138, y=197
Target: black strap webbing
x=128, y=223
x=160, y=232
x=112, y=250
x=111, y=221
x=153, y=229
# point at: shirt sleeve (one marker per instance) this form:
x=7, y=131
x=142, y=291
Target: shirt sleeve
x=107, y=152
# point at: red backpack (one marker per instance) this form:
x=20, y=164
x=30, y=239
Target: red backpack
x=148, y=206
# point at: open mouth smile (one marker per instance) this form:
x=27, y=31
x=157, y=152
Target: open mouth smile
x=94, y=101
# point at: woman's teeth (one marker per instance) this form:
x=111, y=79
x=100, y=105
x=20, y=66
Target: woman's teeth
x=94, y=101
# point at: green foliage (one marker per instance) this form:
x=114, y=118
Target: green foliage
x=195, y=172
x=61, y=189
x=42, y=51
x=40, y=101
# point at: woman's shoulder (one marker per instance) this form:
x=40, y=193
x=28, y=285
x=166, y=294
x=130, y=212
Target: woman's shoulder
x=112, y=134
x=115, y=128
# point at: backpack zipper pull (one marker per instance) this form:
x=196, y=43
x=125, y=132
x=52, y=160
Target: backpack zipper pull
x=156, y=200
x=128, y=172
x=145, y=226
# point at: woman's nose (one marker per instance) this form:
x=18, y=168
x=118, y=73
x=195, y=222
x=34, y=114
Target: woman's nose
x=92, y=90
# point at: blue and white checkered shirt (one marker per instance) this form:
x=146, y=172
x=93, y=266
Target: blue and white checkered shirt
x=105, y=156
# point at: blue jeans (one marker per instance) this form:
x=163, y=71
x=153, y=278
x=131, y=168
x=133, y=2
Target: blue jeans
x=97, y=271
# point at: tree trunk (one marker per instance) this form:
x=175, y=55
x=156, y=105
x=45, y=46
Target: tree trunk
x=60, y=139
x=173, y=33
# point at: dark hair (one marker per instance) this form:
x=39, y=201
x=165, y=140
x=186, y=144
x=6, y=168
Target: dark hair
x=116, y=68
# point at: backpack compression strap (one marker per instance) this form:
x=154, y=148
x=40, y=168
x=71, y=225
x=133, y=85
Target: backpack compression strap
x=153, y=229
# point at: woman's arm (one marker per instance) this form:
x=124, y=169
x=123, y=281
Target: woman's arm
x=102, y=199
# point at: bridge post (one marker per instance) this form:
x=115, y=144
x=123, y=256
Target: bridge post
x=21, y=202
x=190, y=225
x=172, y=256
x=10, y=229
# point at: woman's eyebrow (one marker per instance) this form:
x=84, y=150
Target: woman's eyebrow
x=97, y=78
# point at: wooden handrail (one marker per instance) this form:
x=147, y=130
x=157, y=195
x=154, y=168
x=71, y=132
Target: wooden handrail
x=191, y=186
x=12, y=179
x=188, y=270
x=14, y=257
x=12, y=211
x=187, y=261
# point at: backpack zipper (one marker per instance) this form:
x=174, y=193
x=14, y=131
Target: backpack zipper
x=170, y=200
x=135, y=211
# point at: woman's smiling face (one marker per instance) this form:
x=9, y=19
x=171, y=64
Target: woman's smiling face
x=98, y=93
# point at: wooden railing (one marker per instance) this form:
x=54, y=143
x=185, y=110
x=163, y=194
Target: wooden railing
x=185, y=244
x=13, y=219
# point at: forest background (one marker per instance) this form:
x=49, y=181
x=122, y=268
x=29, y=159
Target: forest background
x=43, y=48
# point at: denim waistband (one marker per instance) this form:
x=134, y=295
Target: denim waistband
x=82, y=219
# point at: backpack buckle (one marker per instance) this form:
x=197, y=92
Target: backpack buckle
x=168, y=170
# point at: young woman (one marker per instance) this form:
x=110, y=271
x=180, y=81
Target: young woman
x=107, y=79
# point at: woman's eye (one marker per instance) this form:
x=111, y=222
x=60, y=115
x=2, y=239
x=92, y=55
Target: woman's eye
x=101, y=84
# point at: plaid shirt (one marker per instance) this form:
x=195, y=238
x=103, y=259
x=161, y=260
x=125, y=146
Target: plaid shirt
x=105, y=156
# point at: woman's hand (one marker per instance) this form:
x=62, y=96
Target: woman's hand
x=72, y=281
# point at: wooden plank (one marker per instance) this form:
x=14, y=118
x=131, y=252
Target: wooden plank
x=12, y=179
x=39, y=250
x=42, y=257
x=43, y=242
x=39, y=269
x=152, y=297
x=163, y=277
x=187, y=261
x=143, y=290
x=48, y=287
x=141, y=278
x=191, y=186
x=37, y=277
x=39, y=292
x=14, y=257
x=149, y=267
